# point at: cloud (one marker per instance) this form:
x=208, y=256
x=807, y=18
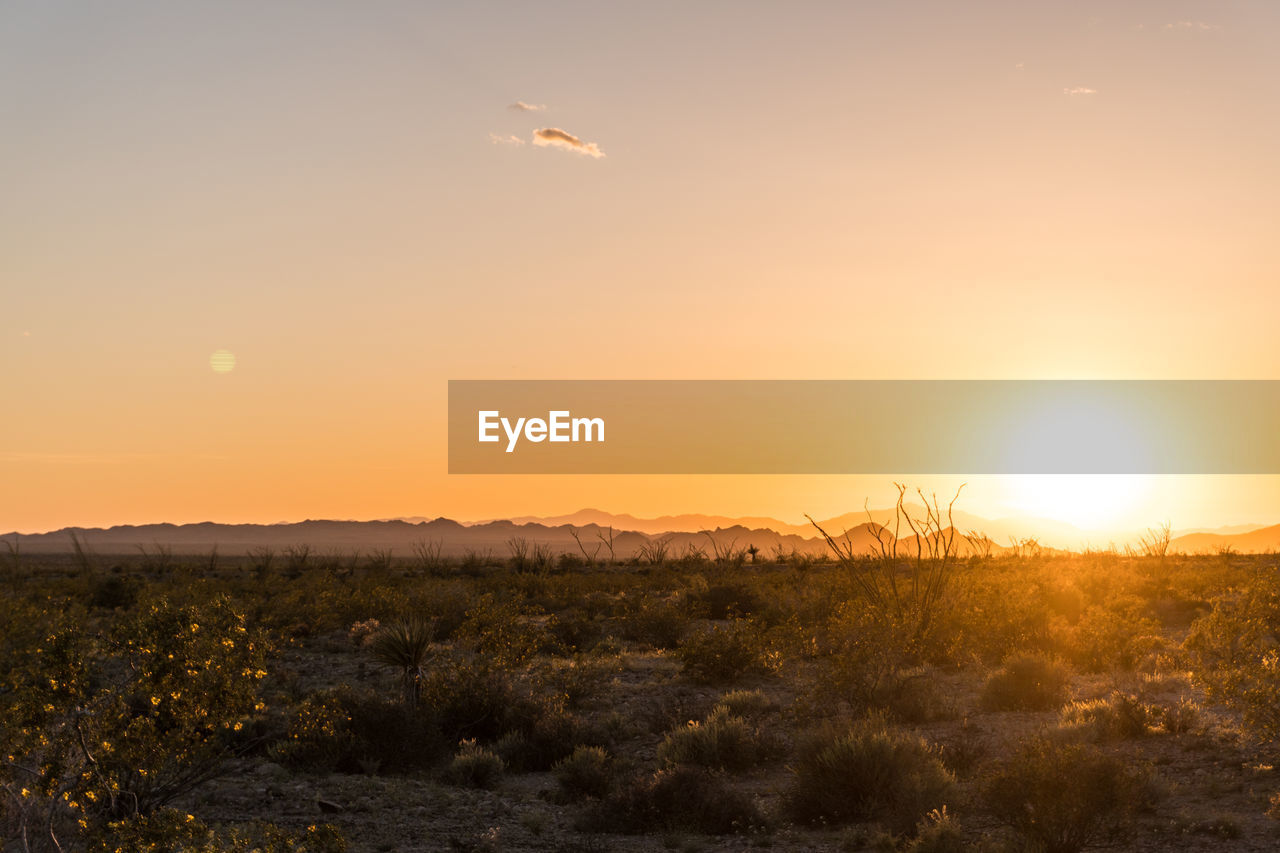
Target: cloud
x=557, y=138
x=522, y=107
x=1192, y=25
x=499, y=139
x=1079, y=90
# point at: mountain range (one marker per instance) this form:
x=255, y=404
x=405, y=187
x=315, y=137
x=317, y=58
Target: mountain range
x=592, y=532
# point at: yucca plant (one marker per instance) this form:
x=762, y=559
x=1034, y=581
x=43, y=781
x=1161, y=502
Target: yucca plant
x=405, y=646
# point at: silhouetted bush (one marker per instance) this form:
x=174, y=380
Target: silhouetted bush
x=724, y=653
x=683, y=798
x=1026, y=683
x=870, y=772
x=586, y=772
x=475, y=767
x=1063, y=797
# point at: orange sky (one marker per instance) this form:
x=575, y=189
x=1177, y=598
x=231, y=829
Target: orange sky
x=344, y=198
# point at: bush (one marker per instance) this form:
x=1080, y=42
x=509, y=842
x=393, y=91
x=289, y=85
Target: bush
x=660, y=625
x=722, y=742
x=168, y=830
x=1026, y=683
x=724, y=601
x=1118, y=716
x=354, y=732
x=1180, y=718
x=587, y=772
x=545, y=735
x=1236, y=653
x=721, y=654
x=1063, y=797
x=100, y=729
x=743, y=703
x=475, y=767
x=938, y=833
x=869, y=772
x=687, y=799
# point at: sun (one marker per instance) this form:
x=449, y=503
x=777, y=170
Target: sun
x=1090, y=501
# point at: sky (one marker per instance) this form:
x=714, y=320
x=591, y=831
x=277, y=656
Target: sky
x=360, y=202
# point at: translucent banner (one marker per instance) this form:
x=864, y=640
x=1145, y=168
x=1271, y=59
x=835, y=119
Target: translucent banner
x=942, y=427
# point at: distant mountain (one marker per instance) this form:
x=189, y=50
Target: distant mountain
x=1254, y=541
x=1001, y=531
x=591, y=538
x=493, y=538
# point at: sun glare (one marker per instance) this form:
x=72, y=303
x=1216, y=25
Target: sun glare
x=1090, y=501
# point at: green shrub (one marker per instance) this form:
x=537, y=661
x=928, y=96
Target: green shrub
x=586, y=772
x=1181, y=717
x=169, y=830
x=1063, y=797
x=870, y=772
x=725, y=653
x=542, y=735
x=475, y=767
x=1027, y=682
x=743, y=703
x=1235, y=650
x=688, y=799
x=358, y=732
x=102, y=728
x=722, y=742
x=658, y=624
x=938, y=833
x=1120, y=715
x=404, y=646
x=724, y=601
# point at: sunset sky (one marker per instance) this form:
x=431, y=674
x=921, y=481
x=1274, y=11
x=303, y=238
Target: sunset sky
x=361, y=201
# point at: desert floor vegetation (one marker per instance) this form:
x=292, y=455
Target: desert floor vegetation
x=528, y=702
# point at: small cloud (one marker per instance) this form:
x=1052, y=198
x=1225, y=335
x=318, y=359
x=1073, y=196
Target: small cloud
x=499, y=139
x=26, y=334
x=522, y=107
x=1079, y=90
x=1201, y=26
x=555, y=137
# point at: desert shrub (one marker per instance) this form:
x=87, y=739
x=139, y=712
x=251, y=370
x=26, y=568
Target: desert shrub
x=115, y=591
x=318, y=736
x=358, y=732
x=586, y=772
x=404, y=646
x=724, y=601
x=743, y=703
x=687, y=799
x=721, y=742
x=574, y=630
x=169, y=830
x=725, y=653
x=938, y=833
x=540, y=734
x=871, y=771
x=1235, y=652
x=500, y=632
x=471, y=701
x=658, y=624
x=1026, y=682
x=1180, y=717
x=102, y=728
x=1114, y=635
x=475, y=766
x=1120, y=715
x=1063, y=797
